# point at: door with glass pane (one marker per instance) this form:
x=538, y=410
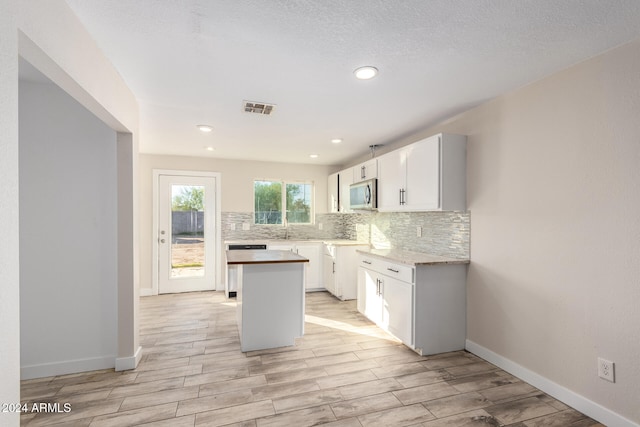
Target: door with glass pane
x=186, y=234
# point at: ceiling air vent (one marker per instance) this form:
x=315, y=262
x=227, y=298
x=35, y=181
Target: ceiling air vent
x=257, y=107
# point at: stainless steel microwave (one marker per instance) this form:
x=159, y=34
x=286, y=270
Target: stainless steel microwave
x=364, y=194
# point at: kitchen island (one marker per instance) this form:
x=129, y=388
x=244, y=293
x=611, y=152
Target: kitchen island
x=270, y=297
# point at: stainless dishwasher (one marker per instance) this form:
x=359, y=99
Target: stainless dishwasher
x=231, y=282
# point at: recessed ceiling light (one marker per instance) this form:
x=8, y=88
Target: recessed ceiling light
x=210, y=148
x=366, y=72
x=205, y=128
x=313, y=156
x=336, y=140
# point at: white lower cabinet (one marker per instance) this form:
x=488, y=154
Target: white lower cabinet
x=313, y=252
x=424, y=306
x=340, y=270
x=369, y=299
x=397, y=297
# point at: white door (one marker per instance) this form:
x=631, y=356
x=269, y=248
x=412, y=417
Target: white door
x=186, y=233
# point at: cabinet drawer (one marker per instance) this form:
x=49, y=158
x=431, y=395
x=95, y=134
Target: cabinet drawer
x=391, y=269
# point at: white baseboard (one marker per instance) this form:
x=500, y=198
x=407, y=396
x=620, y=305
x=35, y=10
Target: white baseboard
x=127, y=363
x=66, y=367
x=576, y=401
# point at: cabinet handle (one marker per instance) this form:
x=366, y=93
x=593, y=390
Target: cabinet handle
x=394, y=270
x=363, y=174
x=400, y=195
x=366, y=262
x=377, y=287
x=334, y=267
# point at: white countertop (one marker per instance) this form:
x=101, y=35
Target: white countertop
x=336, y=242
x=411, y=258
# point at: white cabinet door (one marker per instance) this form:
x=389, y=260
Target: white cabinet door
x=391, y=180
x=346, y=179
x=313, y=252
x=366, y=170
x=422, y=162
x=329, y=273
x=361, y=301
x=332, y=191
x=397, y=309
x=372, y=299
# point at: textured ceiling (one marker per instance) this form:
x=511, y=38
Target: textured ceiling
x=194, y=61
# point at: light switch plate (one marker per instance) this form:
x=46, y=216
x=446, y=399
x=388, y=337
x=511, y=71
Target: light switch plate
x=245, y=226
x=419, y=231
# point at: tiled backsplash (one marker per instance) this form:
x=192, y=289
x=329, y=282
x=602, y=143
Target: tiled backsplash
x=443, y=233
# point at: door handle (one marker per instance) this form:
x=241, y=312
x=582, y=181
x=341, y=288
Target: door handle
x=162, y=240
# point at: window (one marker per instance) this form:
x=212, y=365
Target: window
x=269, y=197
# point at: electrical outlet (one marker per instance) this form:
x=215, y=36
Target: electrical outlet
x=419, y=231
x=606, y=370
x=246, y=226
x=232, y=226
x=319, y=226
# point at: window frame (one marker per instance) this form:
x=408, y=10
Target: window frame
x=283, y=200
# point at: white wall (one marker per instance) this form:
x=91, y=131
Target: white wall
x=554, y=194
x=68, y=235
x=52, y=38
x=9, y=274
x=237, y=189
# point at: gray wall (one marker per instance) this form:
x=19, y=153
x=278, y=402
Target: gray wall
x=68, y=235
x=553, y=189
x=9, y=216
x=237, y=178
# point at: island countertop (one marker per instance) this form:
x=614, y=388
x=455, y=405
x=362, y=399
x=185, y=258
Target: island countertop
x=263, y=257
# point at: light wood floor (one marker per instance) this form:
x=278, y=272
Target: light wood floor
x=345, y=372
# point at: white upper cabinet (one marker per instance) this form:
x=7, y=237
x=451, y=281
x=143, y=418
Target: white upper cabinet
x=426, y=175
x=346, y=179
x=366, y=170
x=338, y=191
x=333, y=189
